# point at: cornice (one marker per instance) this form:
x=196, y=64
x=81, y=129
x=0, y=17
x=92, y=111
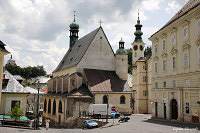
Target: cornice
x=186, y=45
x=164, y=35
x=173, y=51
x=155, y=58
x=185, y=23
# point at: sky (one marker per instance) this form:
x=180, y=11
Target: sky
x=36, y=32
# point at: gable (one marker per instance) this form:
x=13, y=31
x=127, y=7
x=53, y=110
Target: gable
x=75, y=54
x=99, y=54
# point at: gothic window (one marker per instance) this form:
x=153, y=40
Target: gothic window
x=49, y=106
x=60, y=107
x=54, y=107
x=122, y=99
x=45, y=105
x=105, y=99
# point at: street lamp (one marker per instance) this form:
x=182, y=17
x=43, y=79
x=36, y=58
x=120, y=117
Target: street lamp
x=107, y=108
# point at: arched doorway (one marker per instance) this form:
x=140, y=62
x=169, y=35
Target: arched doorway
x=174, y=109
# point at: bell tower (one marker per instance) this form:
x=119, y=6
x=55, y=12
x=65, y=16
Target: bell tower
x=138, y=44
x=74, y=29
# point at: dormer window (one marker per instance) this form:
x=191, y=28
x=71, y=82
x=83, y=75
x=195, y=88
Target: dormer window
x=185, y=33
x=164, y=44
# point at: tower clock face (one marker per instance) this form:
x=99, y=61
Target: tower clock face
x=135, y=47
x=141, y=47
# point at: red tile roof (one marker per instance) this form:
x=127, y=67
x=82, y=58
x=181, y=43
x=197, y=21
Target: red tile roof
x=105, y=81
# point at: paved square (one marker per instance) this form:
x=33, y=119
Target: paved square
x=136, y=124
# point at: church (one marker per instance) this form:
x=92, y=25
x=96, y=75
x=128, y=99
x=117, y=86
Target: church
x=90, y=72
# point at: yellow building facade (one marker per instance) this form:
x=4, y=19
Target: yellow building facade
x=176, y=66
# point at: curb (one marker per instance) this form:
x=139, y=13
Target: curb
x=174, y=121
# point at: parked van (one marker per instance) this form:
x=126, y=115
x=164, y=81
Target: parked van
x=100, y=111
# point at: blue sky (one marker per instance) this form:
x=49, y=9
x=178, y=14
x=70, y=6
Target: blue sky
x=36, y=32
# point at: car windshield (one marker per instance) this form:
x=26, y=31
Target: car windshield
x=91, y=122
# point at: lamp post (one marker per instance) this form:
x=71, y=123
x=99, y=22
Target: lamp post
x=107, y=108
x=37, y=110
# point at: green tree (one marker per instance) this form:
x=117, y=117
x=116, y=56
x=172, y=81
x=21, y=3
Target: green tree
x=147, y=51
x=16, y=112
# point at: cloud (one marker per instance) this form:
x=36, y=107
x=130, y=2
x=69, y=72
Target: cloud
x=37, y=31
x=174, y=5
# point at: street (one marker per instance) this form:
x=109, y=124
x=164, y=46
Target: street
x=137, y=124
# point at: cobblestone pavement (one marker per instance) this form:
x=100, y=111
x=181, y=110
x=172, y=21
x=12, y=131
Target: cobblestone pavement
x=136, y=124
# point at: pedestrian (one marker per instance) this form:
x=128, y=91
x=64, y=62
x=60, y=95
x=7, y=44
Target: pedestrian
x=47, y=123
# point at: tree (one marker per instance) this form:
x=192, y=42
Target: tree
x=147, y=51
x=16, y=112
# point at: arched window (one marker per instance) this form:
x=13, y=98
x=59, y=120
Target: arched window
x=105, y=99
x=45, y=105
x=60, y=107
x=49, y=106
x=54, y=107
x=122, y=99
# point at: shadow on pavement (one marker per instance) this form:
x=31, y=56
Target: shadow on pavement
x=174, y=123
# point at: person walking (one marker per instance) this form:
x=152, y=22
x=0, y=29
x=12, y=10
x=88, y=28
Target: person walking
x=47, y=124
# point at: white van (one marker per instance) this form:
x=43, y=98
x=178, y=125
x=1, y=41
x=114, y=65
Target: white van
x=100, y=111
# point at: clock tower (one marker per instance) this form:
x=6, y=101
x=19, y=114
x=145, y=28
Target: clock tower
x=138, y=44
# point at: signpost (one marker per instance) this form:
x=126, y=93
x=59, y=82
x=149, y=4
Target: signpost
x=113, y=113
x=113, y=108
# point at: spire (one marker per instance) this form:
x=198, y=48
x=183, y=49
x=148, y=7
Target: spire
x=138, y=33
x=74, y=16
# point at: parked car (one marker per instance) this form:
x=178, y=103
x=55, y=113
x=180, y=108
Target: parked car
x=89, y=124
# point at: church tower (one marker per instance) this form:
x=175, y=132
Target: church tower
x=74, y=29
x=138, y=44
x=122, y=61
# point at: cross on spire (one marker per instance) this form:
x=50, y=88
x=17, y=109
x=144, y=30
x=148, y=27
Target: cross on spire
x=100, y=22
x=74, y=15
x=138, y=14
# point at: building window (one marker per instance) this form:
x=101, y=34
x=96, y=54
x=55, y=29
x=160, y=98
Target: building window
x=164, y=84
x=174, y=62
x=13, y=104
x=185, y=59
x=105, y=99
x=186, y=33
x=164, y=65
x=187, y=108
x=173, y=40
x=49, y=106
x=156, y=49
x=122, y=99
x=54, y=107
x=145, y=67
x=135, y=54
x=198, y=23
x=45, y=105
x=187, y=83
x=145, y=93
x=144, y=78
x=60, y=107
x=174, y=83
x=164, y=44
x=156, y=67
x=156, y=84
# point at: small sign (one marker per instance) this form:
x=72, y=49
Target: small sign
x=113, y=113
x=113, y=108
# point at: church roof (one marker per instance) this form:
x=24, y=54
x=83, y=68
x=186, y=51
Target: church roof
x=191, y=4
x=105, y=81
x=75, y=54
x=2, y=47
